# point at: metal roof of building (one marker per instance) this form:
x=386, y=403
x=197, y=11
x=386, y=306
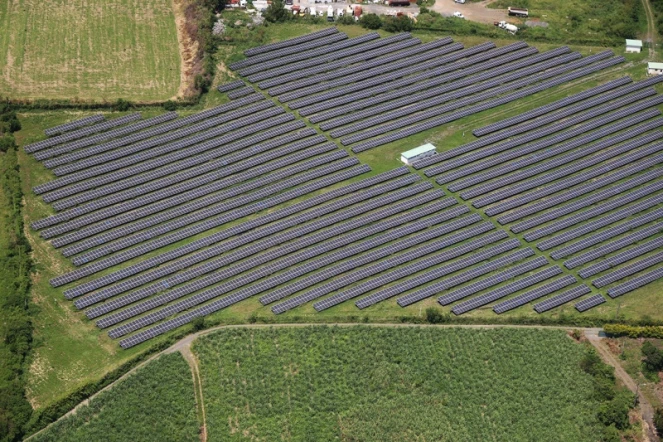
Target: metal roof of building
x=636, y=43
x=654, y=65
x=418, y=151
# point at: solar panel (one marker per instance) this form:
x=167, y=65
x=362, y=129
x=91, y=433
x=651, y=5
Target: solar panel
x=67, y=127
x=537, y=293
x=230, y=86
x=636, y=283
x=590, y=302
x=562, y=298
x=631, y=269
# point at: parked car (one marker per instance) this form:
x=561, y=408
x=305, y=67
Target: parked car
x=459, y=15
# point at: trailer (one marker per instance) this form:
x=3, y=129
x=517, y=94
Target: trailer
x=518, y=12
x=397, y=2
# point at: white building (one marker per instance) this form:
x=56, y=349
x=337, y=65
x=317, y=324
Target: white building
x=633, y=45
x=654, y=68
x=418, y=153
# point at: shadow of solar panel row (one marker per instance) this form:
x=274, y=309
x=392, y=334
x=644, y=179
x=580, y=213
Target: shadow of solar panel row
x=578, y=191
x=288, y=51
x=601, y=222
x=400, y=242
x=476, y=287
x=636, y=283
x=292, y=41
x=583, y=67
x=226, y=87
x=499, y=293
x=600, y=209
x=560, y=131
x=427, y=262
x=470, y=274
x=160, y=187
x=481, y=56
x=105, y=136
x=465, y=99
x=280, y=181
x=256, y=228
x=532, y=295
x=381, y=56
x=203, y=195
x=198, y=129
x=83, y=132
x=417, y=128
x=332, y=43
x=607, y=234
x=305, y=59
x=613, y=246
x=235, y=268
x=529, y=178
x=419, y=280
x=562, y=298
x=546, y=108
x=436, y=86
x=587, y=134
x=76, y=124
x=441, y=95
x=379, y=72
x=568, y=171
x=590, y=302
x=621, y=84
x=586, y=201
x=331, y=258
x=369, y=51
x=535, y=195
x=125, y=255
x=267, y=236
x=351, y=265
x=64, y=158
x=85, y=190
x=620, y=258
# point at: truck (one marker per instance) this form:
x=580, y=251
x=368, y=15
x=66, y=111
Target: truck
x=518, y=12
x=330, y=13
x=512, y=29
x=462, y=2
x=397, y=2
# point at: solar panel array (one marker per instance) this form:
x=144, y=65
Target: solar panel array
x=172, y=218
x=590, y=302
x=76, y=124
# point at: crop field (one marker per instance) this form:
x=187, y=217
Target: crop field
x=93, y=51
x=417, y=384
x=155, y=403
x=290, y=204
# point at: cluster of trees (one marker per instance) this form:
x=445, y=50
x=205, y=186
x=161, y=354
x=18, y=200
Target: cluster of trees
x=652, y=361
x=614, y=404
x=389, y=24
x=8, y=125
x=15, y=307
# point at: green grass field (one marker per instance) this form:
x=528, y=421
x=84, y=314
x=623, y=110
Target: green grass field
x=70, y=351
x=155, y=403
x=93, y=51
x=395, y=384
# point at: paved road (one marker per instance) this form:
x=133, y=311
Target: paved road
x=472, y=11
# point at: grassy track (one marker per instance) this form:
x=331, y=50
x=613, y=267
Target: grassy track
x=74, y=49
x=395, y=384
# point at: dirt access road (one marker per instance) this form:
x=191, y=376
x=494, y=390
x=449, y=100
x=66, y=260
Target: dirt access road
x=478, y=11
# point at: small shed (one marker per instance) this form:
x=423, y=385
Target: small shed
x=633, y=45
x=654, y=68
x=418, y=153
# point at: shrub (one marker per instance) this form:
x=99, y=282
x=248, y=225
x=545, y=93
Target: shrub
x=658, y=420
x=170, y=105
x=398, y=24
x=276, y=12
x=198, y=323
x=122, y=105
x=653, y=357
x=615, y=330
x=434, y=316
x=615, y=411
x=370, y=21
x=346, y=19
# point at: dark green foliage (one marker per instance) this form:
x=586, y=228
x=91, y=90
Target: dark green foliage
x=198, y=323
x=346, y=19
x=434, y=316
x=370, y=21
x=652, y=358
x=8, y=124
x=398, y=24
x=276, y=12
x=15, y=320
x=611, y=434
x=658, y=420
x=122, y=105
x=156, y=403
x=615, y=411
x=395, y=384
x=170, y=105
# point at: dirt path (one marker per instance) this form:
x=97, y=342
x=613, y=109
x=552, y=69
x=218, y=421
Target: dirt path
x=651, y=29
x=478, y=11
x=645, y=407
x=184, y=347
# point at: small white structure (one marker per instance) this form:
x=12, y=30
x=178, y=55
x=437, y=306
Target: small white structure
x=418, y=153
x=634, y=46
x=654, y=68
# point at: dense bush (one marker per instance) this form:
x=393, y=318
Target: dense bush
x=370, y=21
x=122, y=105
x=398, y=24
x=276, y=12
x=616, y=330
x=652, y=358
